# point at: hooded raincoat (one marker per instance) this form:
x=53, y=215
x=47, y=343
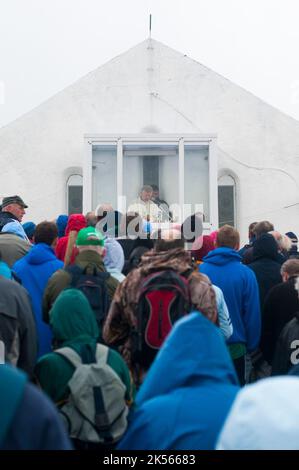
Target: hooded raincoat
x=239, y=286
x=266, y=264
x=75, y=223
x=264, y=416
x=187, y=393
x=114, y=258
x=34, y=271
x=74, y=325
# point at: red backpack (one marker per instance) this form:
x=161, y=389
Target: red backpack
x=163, y=299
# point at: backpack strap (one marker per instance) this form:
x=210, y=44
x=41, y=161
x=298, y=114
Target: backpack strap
x=102, y=354
x=92, y=268
x=74, y=358
x=75, y=273
x=70, y=355
x=12, y=386
x=104, y=275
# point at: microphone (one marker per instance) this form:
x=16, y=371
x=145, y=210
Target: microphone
x=163, y=210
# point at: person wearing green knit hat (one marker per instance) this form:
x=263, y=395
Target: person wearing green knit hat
x=74, y=326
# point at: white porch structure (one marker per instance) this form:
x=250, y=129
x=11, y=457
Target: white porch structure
x=186, y=171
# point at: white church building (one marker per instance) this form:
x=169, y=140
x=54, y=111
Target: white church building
x=154, y=116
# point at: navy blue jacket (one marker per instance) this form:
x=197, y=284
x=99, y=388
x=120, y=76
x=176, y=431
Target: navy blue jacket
x=187, y=392
x=266, y=264
x=29, y=421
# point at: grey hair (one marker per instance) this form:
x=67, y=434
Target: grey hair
x=286, y=243
x=291, y=267
x=146, y=188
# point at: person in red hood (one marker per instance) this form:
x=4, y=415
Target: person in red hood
x=207, y=246
x=75, y=223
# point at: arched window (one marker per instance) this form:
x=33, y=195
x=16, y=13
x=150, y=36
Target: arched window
x=227, y=200
x=75, y=194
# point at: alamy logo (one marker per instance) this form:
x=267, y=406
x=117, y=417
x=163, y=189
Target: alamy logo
x=2, y=352
x=295, y=354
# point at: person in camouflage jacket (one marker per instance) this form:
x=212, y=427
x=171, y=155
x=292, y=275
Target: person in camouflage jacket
x=168, y=253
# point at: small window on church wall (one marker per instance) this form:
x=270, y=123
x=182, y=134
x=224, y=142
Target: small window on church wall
x=226, y=201
x=75, y=194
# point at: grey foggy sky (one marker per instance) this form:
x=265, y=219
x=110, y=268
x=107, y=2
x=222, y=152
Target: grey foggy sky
x=45, y=45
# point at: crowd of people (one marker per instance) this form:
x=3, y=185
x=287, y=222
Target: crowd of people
x=124, y=338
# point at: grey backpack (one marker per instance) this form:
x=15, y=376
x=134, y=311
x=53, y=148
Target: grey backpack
x=96, y=410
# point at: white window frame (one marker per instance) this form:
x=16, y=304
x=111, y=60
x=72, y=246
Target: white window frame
x=209, y=140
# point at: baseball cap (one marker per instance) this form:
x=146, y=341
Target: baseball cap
x=89, y=236
x=13, y=200
x=292, y=236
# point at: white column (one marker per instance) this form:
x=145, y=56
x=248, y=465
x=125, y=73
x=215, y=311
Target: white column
x=87, y=176
x=181, y=177
x=119, y=176
x=213, y=183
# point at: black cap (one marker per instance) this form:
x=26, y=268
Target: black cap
x=292, y=236
x=13, y=200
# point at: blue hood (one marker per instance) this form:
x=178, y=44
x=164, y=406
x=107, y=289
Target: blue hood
x=40, y=254
x=195, y=354
x=5, y=270
x=61, y=223
x=29, y=228
x=15, y=228
x=222, y=256
x=34, y=270
x=114, y=257
x=187, y=392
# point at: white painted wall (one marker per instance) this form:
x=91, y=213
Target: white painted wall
x=154, y=88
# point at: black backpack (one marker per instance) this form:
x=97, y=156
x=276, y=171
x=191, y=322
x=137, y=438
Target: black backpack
x=163, y=299
x=93, y=285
